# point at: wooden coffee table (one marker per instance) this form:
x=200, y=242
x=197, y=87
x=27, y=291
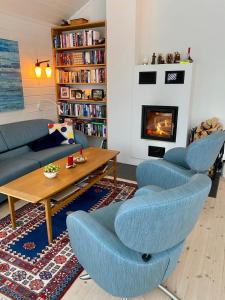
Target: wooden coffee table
x=35, y=188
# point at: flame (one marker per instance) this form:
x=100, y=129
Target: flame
x=159, y=131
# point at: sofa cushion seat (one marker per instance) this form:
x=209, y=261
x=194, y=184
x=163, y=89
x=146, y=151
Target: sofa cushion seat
x=16, y=167
x=47, y=156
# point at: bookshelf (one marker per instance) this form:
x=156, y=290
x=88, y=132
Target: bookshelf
x=79, y=61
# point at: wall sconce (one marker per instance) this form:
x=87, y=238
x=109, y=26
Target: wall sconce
x=38, y=70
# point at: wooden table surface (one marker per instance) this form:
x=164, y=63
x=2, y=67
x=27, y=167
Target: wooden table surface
x=34, y=187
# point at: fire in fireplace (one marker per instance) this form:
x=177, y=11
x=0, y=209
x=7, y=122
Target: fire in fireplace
x=159, y=122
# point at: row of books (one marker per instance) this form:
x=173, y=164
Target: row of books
x=92, y=128
x=81, y=76
x=78, y=58
x=76, y=39
x=82, y=110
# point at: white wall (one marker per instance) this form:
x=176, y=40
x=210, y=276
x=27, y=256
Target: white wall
x=93, y=10
x=121, y=26
x=34, y=42
x=167, y=26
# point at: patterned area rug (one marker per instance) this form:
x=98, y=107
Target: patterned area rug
x=29, y=268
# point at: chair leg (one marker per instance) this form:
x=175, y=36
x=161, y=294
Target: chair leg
x=167, y=292
x=85, y=277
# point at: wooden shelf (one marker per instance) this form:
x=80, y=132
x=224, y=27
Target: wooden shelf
x=83, y=66
x=58, y=30
x=103, y=102
x=82, y=118
x=80, y=26
x=81, y=83
x=80, y=47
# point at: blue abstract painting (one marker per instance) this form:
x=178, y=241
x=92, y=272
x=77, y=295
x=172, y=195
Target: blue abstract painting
x=11, y=89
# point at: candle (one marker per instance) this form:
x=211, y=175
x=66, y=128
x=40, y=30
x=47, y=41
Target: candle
x=70, y=160
x=81, y=151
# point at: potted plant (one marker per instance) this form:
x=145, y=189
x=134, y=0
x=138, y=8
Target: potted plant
x=51, y=170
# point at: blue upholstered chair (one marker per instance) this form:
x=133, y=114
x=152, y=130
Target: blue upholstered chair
x=179, y=164
x=131, y=247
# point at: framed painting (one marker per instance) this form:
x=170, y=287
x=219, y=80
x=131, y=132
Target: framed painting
x=11, y=91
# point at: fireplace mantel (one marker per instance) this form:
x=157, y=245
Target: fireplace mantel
x=161, y=92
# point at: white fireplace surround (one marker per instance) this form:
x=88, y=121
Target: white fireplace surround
x=164, y=95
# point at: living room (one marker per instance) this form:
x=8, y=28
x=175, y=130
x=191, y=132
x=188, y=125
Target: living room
x=101, y=102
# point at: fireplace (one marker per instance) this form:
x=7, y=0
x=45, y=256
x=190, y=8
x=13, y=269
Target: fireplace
x=159, y=123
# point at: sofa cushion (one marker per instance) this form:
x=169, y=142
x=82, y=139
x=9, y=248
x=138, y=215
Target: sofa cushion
x=3, y=146
x=48, y=141
x=65, y=129
x=21, y=133
x=13, y=168
x=14, y=153
x=47, y=156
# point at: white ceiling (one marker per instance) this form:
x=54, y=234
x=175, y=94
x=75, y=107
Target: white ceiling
x=51, y=11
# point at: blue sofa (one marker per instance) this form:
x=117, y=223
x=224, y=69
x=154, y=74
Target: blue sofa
x=17, y=159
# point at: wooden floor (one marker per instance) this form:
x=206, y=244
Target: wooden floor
x=200, y=274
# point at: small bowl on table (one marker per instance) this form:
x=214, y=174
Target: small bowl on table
x=50, y=175
x=80, y=159
x=51, y=171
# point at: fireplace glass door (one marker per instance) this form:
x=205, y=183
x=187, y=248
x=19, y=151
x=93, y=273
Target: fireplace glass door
x=159, y=122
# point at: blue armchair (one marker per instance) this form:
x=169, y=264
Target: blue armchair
x=179, y=164
x=131, y=247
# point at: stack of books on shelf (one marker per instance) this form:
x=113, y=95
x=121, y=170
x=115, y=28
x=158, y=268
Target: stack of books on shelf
x=99, y=171
x=78, y=58
x=81, y=76
x=70, y=190
x=82, y=110
x=76, y=39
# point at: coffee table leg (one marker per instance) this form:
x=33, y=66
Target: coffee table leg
x=48, y=216
x=12, y=211
x=115, y=169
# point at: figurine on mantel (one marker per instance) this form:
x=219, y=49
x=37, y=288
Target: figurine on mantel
x=176, y=57
x=160, y=59
x=169, y=58
x=153, y=59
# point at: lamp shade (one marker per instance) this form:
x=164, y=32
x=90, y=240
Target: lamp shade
x=48, y=71
x=38, y=71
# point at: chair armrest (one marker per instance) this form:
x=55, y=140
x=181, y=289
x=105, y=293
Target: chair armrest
x=177, y=156
x=104, y=256
x=83, y=228
x=95, y=141
x=161, y=173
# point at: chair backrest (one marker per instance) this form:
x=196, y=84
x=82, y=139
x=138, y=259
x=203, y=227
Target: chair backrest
x=202, y=153
x=158, y=221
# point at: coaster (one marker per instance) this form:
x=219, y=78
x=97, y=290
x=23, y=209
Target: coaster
x=70, y=167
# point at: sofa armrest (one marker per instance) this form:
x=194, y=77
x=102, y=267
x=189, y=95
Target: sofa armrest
x=81, y=138
x=88, y=141
x=95, y=141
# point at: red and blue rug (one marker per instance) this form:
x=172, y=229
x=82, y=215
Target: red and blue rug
x=30, y=269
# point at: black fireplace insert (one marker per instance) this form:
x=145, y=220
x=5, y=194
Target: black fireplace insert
x=159, y=122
